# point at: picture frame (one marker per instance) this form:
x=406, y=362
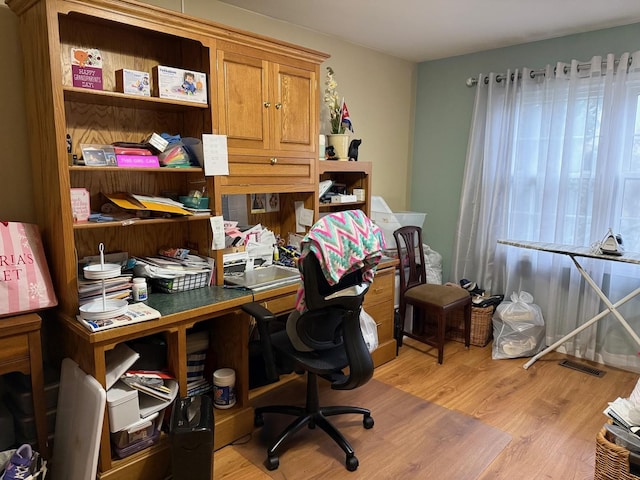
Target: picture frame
x=96, y=155
x=273, y=202
x=258, y=202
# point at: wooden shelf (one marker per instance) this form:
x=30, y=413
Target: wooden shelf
x=332, y=206
x=141, y=222
x=117, y=99
x=325, y=166
x=85, y=169
x=353, y=175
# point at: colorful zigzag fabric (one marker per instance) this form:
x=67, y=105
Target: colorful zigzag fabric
x=343, y=242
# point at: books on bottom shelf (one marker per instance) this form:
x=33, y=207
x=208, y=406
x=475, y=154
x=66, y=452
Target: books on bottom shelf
x=136, y=312
x=198, y=387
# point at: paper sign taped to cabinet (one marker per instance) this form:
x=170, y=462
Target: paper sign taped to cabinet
x=216, y=157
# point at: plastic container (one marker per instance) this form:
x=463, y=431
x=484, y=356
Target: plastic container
x=123, y=407
x=224, y=388
x=411, y=218
x=139, y=289
x=138, y=431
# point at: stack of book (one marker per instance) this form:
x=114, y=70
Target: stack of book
x=197, y=347
x=115, y=288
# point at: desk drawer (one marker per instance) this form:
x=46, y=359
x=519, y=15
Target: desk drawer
x=382, y=313
x=13, y=349
x=381, y=289
x=282, y=304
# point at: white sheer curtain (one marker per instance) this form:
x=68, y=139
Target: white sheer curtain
x=556, y=158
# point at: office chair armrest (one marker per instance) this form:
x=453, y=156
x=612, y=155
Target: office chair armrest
x=263, y=316
x=352, y=291
x=360, y=361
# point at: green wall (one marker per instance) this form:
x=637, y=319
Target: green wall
x=444, y=105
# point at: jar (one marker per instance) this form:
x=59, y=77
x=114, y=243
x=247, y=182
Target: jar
x=224, y=388
x=139, y=289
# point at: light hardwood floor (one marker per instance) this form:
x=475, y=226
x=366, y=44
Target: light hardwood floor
x=552, y=413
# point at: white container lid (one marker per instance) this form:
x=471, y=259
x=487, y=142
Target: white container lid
x=120, y=393
x=224, y=377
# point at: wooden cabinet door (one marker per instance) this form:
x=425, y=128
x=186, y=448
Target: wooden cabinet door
x=295, y=110
x=266, y=107
x=243, y=101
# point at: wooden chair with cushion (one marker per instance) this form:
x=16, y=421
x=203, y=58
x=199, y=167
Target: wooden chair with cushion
x=432, y=303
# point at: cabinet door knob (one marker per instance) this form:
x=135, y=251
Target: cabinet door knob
x=267, y=104
x=274, y=160
x=278, y=105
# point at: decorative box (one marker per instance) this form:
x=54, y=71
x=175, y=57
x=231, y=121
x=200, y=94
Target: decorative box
x=133, y=82
x=179, y=84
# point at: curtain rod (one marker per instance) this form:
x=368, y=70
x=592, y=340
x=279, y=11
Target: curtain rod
x=473, y=81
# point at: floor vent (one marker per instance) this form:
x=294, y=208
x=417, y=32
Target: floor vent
x=582, y=368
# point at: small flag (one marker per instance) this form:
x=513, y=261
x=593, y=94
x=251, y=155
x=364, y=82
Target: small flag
x=345, y=121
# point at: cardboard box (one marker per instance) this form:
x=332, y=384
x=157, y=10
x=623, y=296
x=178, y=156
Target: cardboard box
x=123, y=406
x=344, y=199
x=133, y=82
x=179, y=84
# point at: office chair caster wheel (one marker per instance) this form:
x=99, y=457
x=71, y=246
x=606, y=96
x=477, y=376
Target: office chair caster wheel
x=352, y=463
x=273, y=462
x=368, y=422
x=258, y=420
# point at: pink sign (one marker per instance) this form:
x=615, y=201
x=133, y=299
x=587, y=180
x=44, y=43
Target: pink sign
x=138, y=161
x=87, y=77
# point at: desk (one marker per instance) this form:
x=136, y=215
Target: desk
x=20, y=351
x=574, y=252
x=218, y=310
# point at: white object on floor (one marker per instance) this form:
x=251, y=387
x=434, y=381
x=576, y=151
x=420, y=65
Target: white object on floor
x=80, y=411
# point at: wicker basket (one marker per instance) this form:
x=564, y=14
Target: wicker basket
x=481, y=330
x=612, y=461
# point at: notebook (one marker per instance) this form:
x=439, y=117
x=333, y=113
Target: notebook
x=263, y=277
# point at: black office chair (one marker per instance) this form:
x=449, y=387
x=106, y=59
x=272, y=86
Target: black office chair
x=331, y=326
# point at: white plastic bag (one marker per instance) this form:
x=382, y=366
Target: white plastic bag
x=518, y=328
x=369, y=330
x=432, y=265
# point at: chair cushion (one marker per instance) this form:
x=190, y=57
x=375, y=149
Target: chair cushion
x=434, y=294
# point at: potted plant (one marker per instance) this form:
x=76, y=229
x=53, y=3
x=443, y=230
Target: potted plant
x=339, y=119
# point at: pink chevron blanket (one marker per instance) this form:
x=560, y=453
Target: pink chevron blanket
x=342, y=242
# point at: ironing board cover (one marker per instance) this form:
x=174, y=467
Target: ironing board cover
x=342, y=242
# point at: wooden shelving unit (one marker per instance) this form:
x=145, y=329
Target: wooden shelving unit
x=257, y=88
x=352, y=175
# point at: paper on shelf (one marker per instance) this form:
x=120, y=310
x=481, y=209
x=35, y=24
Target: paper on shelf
x=129, y=202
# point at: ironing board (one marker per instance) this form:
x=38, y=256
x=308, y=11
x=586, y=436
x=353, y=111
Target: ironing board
x=575, y=252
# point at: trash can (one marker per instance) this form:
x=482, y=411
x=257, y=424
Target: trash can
x=191, y=434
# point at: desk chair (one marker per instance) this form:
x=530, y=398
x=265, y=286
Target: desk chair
x=432, y=303
x=331, y=327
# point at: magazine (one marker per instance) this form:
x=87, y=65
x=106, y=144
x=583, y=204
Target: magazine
x=158, y=384
x=136, y=312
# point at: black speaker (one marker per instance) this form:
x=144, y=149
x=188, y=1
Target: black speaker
x=191, y=433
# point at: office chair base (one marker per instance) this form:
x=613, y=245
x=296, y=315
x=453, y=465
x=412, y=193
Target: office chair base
x=312, y=419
